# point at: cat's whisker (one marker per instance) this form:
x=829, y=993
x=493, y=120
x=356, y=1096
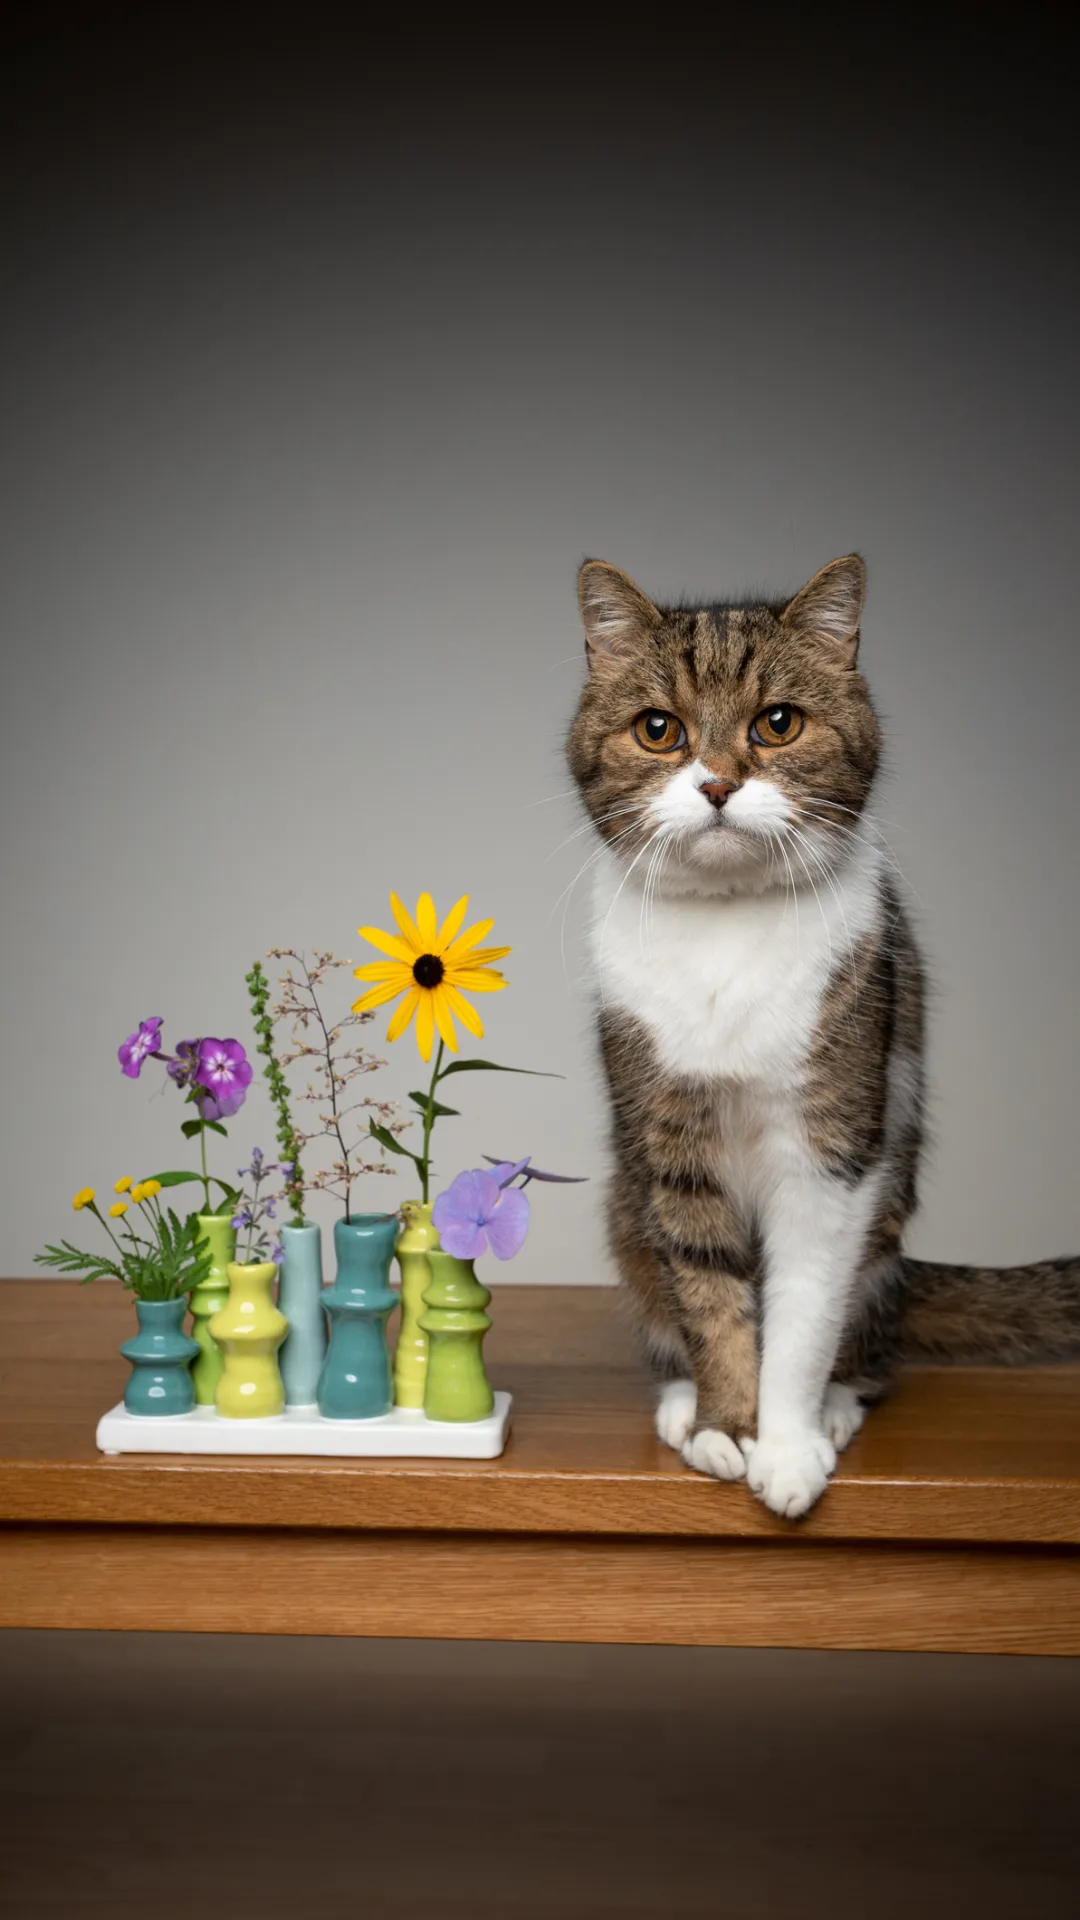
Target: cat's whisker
x=567, y=892
x=618, y=892
x=824, y=874
x=600, y=820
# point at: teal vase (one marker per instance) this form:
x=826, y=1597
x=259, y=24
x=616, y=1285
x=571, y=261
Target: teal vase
x=161, y=1355
x=355, y=1380
x=300, y=1299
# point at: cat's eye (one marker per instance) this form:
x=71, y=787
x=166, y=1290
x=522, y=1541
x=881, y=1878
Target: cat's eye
x=777, y=726
x=659, y=732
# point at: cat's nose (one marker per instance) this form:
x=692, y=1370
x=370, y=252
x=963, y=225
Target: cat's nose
x=717, y=792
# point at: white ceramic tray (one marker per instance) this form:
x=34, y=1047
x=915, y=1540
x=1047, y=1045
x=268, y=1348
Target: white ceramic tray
x=401, y=1434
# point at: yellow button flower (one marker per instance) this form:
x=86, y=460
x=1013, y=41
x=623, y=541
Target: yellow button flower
x=124, y=1185
x=118, y=1208
x=83, y=1198
x=138, y=1194
x=430, y=964
x=150, y=1188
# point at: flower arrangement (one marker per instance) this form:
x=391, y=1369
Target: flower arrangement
x=165, y=1261
x=430, y=968
x=255, y=1210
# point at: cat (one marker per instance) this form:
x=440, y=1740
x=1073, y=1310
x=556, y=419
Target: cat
x=761, y=1024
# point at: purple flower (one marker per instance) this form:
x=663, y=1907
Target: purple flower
x=182, y=1069
x=225, y=1071
x=137, y=1046
x=475, y=1212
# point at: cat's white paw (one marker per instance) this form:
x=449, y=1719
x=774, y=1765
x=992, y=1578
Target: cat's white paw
x=713, y=1452
x=675, y=1413
x=842, y=1415
x=788, y=1475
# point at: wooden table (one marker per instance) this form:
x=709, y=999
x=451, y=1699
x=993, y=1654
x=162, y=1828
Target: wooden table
x=953, y=1522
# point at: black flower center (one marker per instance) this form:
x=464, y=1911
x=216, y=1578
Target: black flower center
x=427, y=970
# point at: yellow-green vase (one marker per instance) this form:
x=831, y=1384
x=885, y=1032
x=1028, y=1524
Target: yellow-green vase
x=416, y=1240
x=249, y=1330
x=216, y=1232
x=457, y=1386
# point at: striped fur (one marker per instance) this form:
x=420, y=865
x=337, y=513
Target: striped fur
x=761, y=1026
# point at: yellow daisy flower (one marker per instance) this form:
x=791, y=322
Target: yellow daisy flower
x=124, y=1185
x=430, y=965
x=83, y=1198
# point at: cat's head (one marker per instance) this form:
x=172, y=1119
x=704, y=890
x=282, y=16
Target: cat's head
x=739, y=739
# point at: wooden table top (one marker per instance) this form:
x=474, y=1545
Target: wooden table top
x=965, y=1455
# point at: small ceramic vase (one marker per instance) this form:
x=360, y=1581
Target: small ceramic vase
x=416, y=1240
x=455, y=1322
x=355, y=1380
x=249, y=1330
x=300, y=1300
x=219, y=1234
x=161, y=1355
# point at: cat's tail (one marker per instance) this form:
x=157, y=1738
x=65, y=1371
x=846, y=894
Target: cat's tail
x=993, y=1316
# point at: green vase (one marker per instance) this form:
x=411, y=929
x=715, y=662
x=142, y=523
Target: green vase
x=416, y=1240
x=217, y=1232
x=249, y=1330
x=455, y=1322
x=160, y=1355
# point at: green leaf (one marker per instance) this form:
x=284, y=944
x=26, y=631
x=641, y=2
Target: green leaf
x=386, y=1139
x=421, y=1100
x=492, y=1066
x=174, y=1179
x=192, y=1128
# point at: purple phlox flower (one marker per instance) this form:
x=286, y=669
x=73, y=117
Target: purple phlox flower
x=226, y=1073
x=475, y=1212
x=505, y=1170
x=139, y=1046
x=181, y=1070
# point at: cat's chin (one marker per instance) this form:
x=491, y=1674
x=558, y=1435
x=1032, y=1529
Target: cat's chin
x=720, y=861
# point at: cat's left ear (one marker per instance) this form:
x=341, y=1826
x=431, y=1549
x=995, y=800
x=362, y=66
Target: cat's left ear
x=829, y=608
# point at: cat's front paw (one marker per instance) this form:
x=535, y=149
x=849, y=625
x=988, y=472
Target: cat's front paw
x=711, y=1451
x=842, y=1414
x=676, y=1412
x=788, y=1475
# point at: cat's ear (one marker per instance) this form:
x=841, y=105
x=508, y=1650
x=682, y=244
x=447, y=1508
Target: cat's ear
x=829, y=608
x=616, y=615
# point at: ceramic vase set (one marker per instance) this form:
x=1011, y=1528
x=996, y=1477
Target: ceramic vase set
x=251, y=1358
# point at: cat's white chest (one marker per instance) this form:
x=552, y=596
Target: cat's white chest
x=728, y=988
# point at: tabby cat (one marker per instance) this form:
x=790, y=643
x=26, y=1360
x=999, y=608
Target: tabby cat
x=761, y=1024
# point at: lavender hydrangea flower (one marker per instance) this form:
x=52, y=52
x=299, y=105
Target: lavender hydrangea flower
x=226, y=1073
x=139, y=1046
x=476, y=1212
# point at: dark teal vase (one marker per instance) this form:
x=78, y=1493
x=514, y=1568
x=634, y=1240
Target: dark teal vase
x=355, y=1380
x=161, y=1356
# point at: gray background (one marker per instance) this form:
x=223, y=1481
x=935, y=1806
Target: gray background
x=325, y=360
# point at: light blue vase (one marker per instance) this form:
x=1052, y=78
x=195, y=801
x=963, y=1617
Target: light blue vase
x=300, y=1299
x=161, y=1356
x=355, y=1380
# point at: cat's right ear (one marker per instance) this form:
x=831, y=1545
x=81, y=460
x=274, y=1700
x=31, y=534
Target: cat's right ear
x=616, y=615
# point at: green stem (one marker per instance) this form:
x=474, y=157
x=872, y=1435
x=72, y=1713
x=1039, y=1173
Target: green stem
x=93, y=1208
x=205, y=1175
x=429, y=1122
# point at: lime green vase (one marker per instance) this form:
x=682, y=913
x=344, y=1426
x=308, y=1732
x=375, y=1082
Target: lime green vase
x=216, y=1232
x=416, y=1240
x=249, y=1330
x=454, y=1320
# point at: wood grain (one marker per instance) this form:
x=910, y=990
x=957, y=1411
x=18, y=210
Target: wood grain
x=957, y=1455
x=505, y=1587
